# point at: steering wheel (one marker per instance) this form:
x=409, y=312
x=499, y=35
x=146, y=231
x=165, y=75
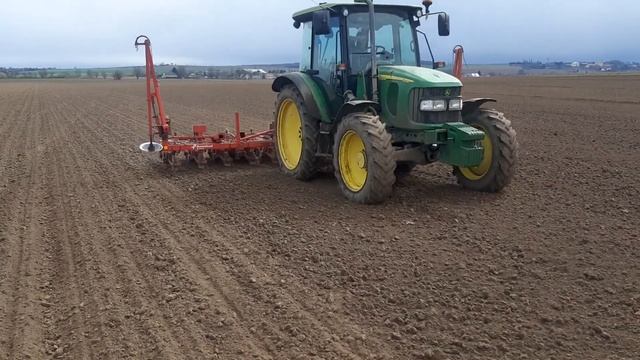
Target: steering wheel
x=382, y=51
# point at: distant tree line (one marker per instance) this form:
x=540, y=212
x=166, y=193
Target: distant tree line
x=138, y=72
x=180, y=72
x=52, y=73
x=230, y=73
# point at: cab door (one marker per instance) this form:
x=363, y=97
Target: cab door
x=326, y=54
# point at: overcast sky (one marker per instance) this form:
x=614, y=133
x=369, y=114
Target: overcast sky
x=79, y=33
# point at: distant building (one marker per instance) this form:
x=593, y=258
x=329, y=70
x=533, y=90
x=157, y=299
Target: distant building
x=255, y=74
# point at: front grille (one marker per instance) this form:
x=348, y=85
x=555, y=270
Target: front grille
x=430, y=117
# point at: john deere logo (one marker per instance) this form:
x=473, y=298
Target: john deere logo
x=447, y=92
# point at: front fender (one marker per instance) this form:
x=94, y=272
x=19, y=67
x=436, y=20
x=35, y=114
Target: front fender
x=471, y=105
x=356, y=106
x=314, y=98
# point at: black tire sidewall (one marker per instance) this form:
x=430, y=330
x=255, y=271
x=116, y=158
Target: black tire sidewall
x=493, y=180
x=485, y=125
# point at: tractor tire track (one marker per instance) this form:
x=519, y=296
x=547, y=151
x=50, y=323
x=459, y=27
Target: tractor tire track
x=13, y=141
x=26, y=255
x=12, y=181
x=121, y=301
x=244, y=269
x=122, y=259
x=150, y=228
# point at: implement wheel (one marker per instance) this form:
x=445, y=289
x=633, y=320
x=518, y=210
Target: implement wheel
x=363, y=159
x=500, y=153
x=296, y=134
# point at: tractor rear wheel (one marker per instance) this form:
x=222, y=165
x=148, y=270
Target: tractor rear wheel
x=363, y=159
x=500, y=153
x=296, y=134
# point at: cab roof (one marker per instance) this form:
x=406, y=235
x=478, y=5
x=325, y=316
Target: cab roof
x=306, y=15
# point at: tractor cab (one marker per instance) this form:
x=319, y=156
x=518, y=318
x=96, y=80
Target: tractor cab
x=337, y=50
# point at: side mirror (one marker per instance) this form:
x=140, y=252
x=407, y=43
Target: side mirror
x=321, y=19
x=443, y=24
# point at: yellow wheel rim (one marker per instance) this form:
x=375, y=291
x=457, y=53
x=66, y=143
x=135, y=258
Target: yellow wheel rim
x=289, y=134
x=478, y=172
x=352, y=161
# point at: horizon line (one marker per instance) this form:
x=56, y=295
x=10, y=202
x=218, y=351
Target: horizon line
x=293, y=63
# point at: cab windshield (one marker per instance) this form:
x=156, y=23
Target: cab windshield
x=395, y=42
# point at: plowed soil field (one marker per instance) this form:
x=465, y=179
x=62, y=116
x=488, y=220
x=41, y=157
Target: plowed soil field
x=106, y=254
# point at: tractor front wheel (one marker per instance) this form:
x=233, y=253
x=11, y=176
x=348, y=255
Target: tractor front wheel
x=296, y=134
x=363, y=159
x=500, y=153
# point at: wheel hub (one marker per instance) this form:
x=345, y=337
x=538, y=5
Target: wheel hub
x=353, y=161
x=360, y=160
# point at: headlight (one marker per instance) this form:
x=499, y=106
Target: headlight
x=455, y=104
x=433, y=105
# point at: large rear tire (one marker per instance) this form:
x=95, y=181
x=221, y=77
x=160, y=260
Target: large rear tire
x=500, y=156
x=295, y=135
x=363, y=159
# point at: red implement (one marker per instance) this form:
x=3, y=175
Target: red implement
x=198, y=146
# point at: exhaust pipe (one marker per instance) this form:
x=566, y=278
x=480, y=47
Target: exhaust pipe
x=427, y=4
x=458, y=52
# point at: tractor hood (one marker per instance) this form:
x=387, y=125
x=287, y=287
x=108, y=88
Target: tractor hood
x=417, y=76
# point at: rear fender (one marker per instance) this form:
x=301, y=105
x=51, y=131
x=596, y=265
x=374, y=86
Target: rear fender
x=314, y=98
x=471, y=105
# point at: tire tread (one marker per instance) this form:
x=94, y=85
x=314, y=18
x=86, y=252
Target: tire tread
x=381, y=166
x=507, y=152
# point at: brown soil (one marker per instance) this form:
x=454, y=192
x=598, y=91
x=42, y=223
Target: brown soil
x=106, y=254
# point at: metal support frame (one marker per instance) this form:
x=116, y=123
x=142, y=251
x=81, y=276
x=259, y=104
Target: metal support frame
x=224, y=145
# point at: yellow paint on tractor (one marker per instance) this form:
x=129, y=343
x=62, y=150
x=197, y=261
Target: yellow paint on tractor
x=353, y=161
x=289, y=134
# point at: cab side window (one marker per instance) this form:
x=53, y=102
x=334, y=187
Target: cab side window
x=305, y=61
x=327, y=53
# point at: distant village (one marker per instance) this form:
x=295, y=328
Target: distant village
x=532, y=68
x=579, y=66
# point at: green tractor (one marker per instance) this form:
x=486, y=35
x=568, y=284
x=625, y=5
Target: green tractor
x=363, y=100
